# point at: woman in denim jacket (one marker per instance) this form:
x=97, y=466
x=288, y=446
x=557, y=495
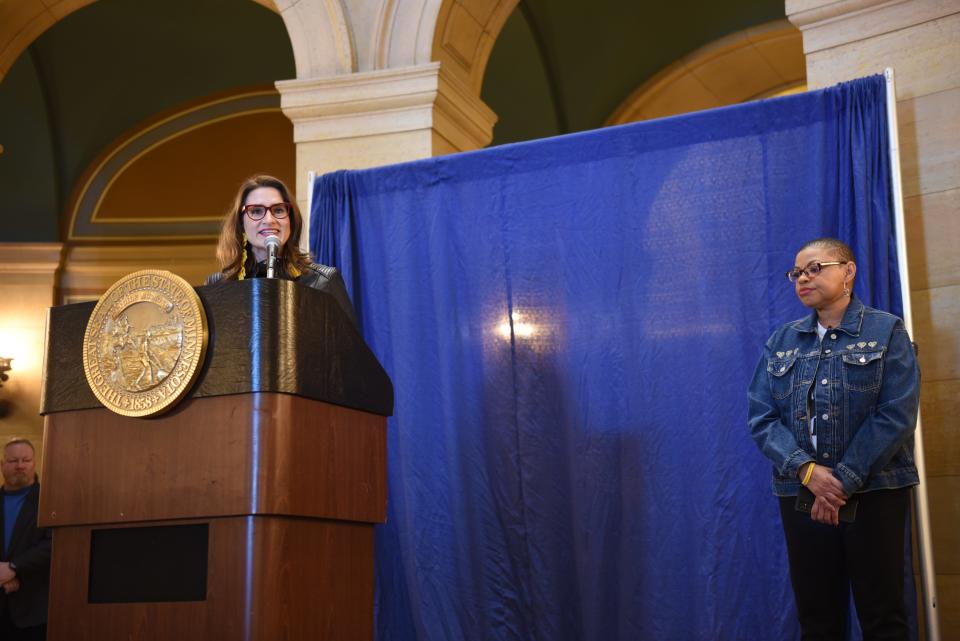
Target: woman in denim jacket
x=833, y=405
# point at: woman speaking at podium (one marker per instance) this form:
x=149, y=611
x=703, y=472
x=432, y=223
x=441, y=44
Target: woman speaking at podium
x=265, y=216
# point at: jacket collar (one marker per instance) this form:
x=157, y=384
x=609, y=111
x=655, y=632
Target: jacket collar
x=851, y=323
x=33, y=488
x=26, y=519
x=259, y=269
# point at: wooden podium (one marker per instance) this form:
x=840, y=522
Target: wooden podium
x=247, y=511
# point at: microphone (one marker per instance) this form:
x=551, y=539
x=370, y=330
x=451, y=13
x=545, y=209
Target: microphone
x=273, y=246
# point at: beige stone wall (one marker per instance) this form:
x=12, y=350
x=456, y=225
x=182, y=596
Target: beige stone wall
x=920, y=40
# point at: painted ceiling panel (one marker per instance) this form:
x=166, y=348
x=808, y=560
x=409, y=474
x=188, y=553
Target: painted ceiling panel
x=176, y=176
x=193, y=176
x=596, y=53
x=27, y=162
x=109, y=67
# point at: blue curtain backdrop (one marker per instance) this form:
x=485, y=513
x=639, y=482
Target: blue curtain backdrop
x=584, y=471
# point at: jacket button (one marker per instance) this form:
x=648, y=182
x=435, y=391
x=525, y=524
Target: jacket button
x=825, y=416
x=833, y=336
x=826, y=455
x=823, y=382
x=826, y=351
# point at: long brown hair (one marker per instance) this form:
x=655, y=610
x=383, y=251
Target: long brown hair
x=231, y=248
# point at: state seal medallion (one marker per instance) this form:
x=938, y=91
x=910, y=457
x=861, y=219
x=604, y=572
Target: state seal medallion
x=145, y=343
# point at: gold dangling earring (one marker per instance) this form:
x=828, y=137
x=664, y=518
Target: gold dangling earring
x=243, y=259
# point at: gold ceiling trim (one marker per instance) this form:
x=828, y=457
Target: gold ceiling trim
x=124, y=142
x=162, y=141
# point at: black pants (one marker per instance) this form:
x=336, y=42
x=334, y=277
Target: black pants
x=867, y=556
x=9, y=632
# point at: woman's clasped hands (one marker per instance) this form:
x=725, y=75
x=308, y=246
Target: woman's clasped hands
x=829, y=494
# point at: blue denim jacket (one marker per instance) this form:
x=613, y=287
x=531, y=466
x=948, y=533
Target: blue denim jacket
x=866, y=389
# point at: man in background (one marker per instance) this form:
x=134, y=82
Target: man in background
x=24, y=548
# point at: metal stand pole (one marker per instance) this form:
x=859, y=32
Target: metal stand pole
x=920, y=503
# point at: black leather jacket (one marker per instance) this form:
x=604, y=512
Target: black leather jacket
x=29, y=549
x=326, y=279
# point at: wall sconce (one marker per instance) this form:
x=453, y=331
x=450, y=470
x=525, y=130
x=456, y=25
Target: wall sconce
x=4, y=368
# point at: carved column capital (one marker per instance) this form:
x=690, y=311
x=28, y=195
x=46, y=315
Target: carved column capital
x=422, y=98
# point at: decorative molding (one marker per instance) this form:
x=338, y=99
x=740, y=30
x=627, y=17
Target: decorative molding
x=84, y=223
x=384, y=102
x=359, y=104
x=35, y=259
x=812, y=11
x=89, y=270
x=460, y=117
x=831, y=23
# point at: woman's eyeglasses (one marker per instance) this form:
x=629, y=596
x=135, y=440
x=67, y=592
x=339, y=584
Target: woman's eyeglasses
x=810, y=270
x=257, y=212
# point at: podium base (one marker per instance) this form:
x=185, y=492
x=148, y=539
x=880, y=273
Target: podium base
x=262, y=578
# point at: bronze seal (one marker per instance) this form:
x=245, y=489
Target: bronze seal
x=145, y=343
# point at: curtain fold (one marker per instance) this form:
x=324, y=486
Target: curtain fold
x=570, y=325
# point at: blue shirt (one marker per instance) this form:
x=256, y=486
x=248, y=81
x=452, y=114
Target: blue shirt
x=12, y=502
x=861, y=383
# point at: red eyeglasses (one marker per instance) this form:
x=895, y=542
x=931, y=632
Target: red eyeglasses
x=257, y=212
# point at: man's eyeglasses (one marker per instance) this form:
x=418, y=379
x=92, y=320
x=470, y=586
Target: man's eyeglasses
x=257, y=212
x=810, y=270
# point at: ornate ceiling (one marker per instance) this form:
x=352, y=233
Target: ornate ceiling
x=96, y=77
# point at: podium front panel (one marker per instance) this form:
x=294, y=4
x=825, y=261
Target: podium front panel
x=233, y=455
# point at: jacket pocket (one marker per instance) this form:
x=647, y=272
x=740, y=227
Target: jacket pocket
x=780, y=371
x=862, y=371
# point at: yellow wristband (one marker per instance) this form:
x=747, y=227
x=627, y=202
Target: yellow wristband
x=808, y=475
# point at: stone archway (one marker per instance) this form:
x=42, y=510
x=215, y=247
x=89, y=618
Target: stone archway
x=394, y=34
x=319, y=31
x=759, y=62
x=334, y=38
x=407, y=87
x=402, y=83
x=320, y=34
x=25, y=21
x=465, y=35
